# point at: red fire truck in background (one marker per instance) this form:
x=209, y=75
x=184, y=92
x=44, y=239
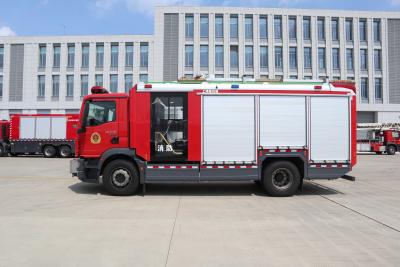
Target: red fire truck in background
x=378, y=138
x=50, y=135
x=276, y=133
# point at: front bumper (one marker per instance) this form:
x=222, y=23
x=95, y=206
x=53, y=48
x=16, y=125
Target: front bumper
x=77, y=167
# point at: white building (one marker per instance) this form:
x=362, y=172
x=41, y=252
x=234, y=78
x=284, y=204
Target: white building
x=52, y=74
x=222, y=41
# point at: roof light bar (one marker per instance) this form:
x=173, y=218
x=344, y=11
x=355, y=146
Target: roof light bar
x=235, y=86
x=98, y=90
x=148, y=86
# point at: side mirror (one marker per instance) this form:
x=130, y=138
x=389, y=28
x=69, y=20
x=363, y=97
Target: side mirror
x=81, y=130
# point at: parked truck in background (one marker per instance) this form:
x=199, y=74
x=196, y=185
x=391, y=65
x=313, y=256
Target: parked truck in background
x=275, y=133
x=49, y=135
x=378, y=138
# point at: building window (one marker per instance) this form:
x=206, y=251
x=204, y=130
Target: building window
x=41, y=86
x=128, y=82
x=219, y=56
x=1, y=86
x=204, y=26
x=234, y=30
x=278, y=57
x=278, y=27
x=264, y=57
x=189, y=25
x=188, y=55
x=335, y=59
x=349, y=59
x=100, y=55
x=56, y=86
x=364, y=89
x=129, y=54
x=204, y=56
x=42, y=56
x=71, y=56
x=70, y=85
x=377, y=60
x=219, y=26
x=144, y=78
x=349, y=30
x=321, y=59
x=321, y=29
x=363, y=59
x=377, y=30
x=114, y=55
x=293, y=57
x=263, y=27
x=56, y=55
x=234, y=56
x=363, y=30
x=248, y=57
x=307, y=77
x=99, y=79
x=84, y=85
x=85, y=55
x=113, y=83
x=307, y=58
x=335, y=29
x=307, y=28
x=144, y=54
x=292, y=28
x=249, y=27
x=1, y=56
x=378, y=88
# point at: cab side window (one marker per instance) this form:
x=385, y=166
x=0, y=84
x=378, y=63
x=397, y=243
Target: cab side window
x=101, y=112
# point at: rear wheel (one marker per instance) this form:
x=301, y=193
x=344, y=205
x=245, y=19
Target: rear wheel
x=64, y=151
x=121, y=178
x=49, y=151
x=281, y=179
x=2, y=151
x=391, y=150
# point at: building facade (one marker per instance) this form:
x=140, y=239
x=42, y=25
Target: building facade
x=51, y=74
x=286, y=43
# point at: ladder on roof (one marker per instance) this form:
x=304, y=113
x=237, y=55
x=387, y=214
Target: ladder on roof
x=379, y=126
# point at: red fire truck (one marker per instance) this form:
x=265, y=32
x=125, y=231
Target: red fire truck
x=50, y=135
x=274, y=133
x=378, y=138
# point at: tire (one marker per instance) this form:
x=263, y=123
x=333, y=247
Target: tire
x=121, y=178
x=64, y=151
x=2, y=151
x=49, y=151
x=391, y=150
x=281, y=179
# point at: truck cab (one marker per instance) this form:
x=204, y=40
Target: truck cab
x=201, y=131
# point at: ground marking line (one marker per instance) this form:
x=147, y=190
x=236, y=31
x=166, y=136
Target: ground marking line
x=173, y=229
x=353, y=210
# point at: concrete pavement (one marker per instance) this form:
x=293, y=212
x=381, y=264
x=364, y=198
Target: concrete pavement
x=48, y=218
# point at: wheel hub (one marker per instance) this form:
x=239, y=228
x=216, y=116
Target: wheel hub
x=120, y=178
x=282, y=179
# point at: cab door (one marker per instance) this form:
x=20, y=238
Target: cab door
x=101, y=127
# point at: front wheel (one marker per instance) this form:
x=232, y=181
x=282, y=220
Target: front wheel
x=121, y=178
x=281, y=179
x=391, y=150
x=2, y=151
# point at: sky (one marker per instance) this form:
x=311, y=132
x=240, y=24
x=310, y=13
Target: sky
x=94, y=17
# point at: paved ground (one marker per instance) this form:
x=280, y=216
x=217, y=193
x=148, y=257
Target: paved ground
x=50, y=219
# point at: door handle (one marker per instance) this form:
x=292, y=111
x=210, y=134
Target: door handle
x=114, y=140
